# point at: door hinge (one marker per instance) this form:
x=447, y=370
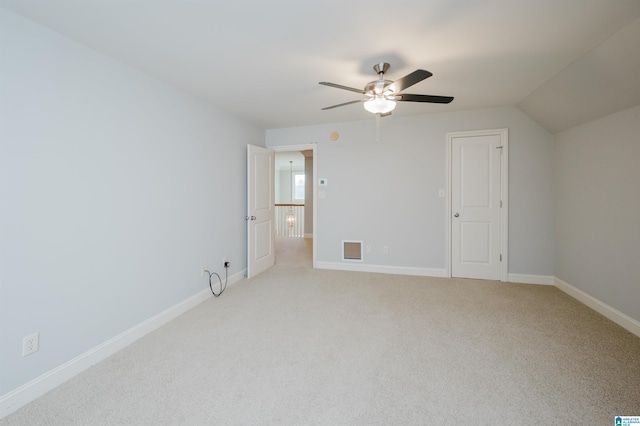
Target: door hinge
x=500, y=258
x=500, y=203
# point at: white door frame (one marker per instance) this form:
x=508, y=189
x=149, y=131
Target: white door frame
x=504, y=189
x=314, y=148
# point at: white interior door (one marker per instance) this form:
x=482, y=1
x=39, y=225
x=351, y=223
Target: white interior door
x=478, y=248
x=260, y=215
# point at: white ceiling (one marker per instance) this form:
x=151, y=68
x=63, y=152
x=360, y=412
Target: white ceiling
x=262, y=60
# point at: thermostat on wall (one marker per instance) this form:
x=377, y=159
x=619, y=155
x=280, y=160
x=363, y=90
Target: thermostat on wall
x=322, y=182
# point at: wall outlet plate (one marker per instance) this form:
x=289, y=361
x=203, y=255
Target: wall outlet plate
x=30, y=344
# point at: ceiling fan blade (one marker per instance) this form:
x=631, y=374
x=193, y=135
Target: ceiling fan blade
x=346, y=103
x=409, y=80
x=423, y=98
x=338, y=86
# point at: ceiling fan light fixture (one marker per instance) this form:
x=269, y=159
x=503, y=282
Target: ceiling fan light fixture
x=379, y=105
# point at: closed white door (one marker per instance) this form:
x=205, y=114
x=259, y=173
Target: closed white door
x=260, y=205
x=476, y=196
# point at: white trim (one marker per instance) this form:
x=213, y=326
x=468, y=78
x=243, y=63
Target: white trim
x=613, y=314
x=314, y=148
x=504, y=189
x=530, y=279
x=384, y=269
x=21, y=396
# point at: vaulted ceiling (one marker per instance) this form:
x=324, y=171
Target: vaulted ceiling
x=563, y=62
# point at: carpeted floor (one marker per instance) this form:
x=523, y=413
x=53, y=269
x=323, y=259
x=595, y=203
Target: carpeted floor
x=298, y=346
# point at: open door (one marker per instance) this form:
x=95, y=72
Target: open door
x=260, y=214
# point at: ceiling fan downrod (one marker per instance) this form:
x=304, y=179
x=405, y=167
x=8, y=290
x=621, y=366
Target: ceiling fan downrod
x=377, y=87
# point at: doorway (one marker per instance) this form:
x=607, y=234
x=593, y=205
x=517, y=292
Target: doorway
x=295, y=195
x=477, y=204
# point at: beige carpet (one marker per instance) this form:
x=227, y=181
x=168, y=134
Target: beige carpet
x=298, y=346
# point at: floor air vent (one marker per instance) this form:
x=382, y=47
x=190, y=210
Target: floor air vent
x=352, y=250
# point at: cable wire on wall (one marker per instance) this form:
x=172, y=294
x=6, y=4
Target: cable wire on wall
x=226, y=278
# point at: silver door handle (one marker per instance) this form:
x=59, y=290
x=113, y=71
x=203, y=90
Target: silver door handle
x=456, y=214
x=252, y=218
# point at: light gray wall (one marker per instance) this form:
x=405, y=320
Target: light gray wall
x=388, y=194
x=283, y=187
x=115, y=190
x=598, y=209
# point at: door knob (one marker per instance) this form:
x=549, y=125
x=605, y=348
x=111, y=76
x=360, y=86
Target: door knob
x=456, y=214
x=252, y=218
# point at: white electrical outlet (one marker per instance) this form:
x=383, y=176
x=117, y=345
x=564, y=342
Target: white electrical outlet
x=30, y=344
x=385, y=249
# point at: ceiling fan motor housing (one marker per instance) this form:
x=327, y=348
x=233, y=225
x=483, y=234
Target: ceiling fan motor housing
x=377, y=87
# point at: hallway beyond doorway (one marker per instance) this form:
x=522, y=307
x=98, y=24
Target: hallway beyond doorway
x=292, y=252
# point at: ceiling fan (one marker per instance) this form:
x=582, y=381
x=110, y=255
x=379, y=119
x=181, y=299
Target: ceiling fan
x=382, y=94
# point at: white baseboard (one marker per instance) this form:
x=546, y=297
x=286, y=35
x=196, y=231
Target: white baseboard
x=613, y=314
x=384, y=269
x=530, y=279
x=37, y=387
